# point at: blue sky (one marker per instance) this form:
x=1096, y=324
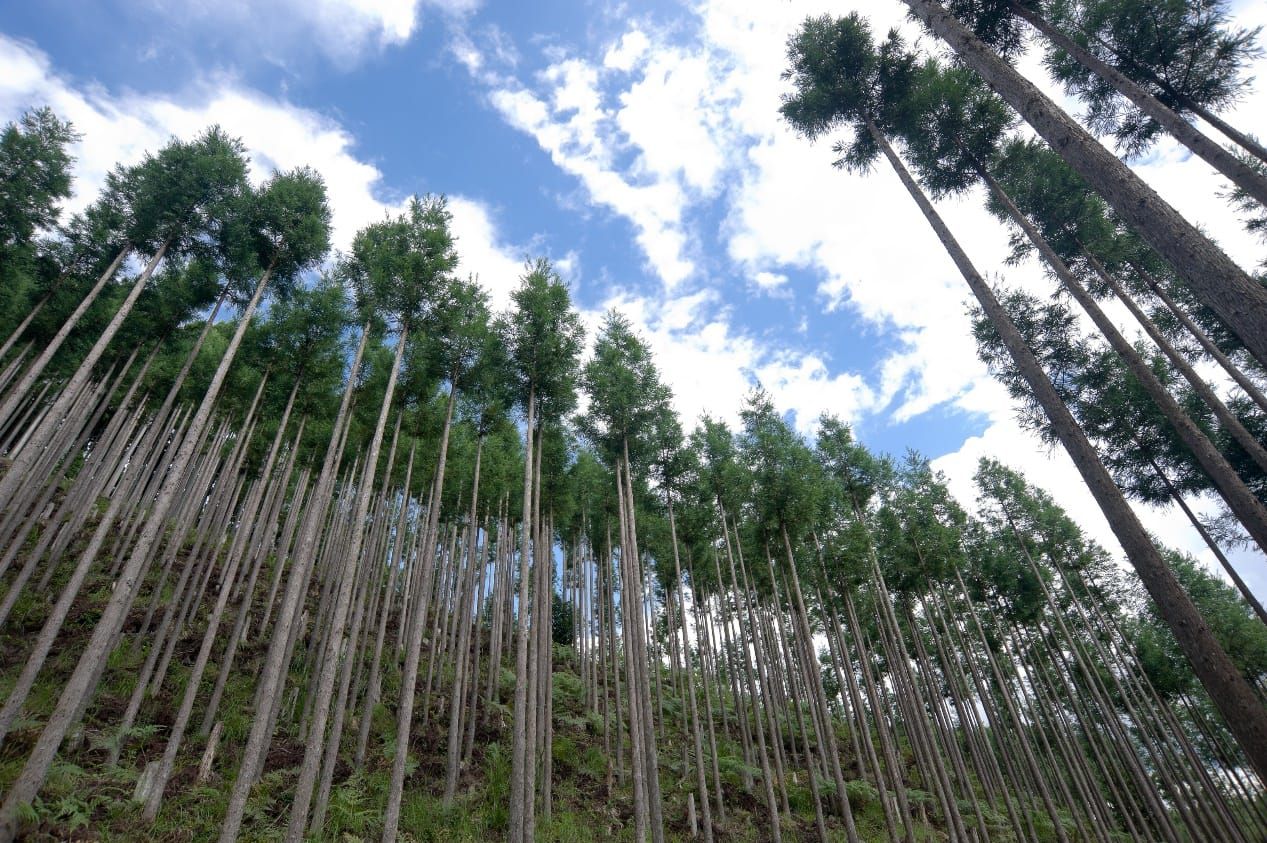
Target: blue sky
x=636, y=144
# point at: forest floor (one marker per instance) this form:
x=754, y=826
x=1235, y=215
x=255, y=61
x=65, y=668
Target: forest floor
x=85, y=798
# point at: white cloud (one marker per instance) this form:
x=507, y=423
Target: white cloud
x=344, y=30
x=771, y=283
x=657, y=128
x=483, y=253
x=672, y=116
x=277, y=134
x=626, y=53
x=710, y=364
x=647, y=150
x=700, y=116
x=570, y=134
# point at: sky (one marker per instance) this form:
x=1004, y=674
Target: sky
x=636, y=145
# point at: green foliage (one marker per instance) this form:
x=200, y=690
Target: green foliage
x=951, y=124
x=1240, y=633
x=862, y=794
x=398, y=267
x=842, y=79
x=1186, y=53
x=351, y=810
x=543, y=336
x=628, y=400
x=562, y=628
x=282, y=227
x=787, y=489
x=182, y=193
x=35, y=177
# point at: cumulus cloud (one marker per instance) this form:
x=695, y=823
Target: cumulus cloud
x=570, y=124
x=710, y=364
x=691, y=120
x=344, y=30
x=771, y=283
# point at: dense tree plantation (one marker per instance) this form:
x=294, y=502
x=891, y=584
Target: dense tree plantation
x=300, y=543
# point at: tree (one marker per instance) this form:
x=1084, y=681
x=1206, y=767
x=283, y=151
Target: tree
x=283, y=231
x=1215, y=279
x=173, y=201
x=1185, y=53
x=542, y=336
x=839, y=76
x=34, y=178
x=291, y=203
x=952, y=128
x=398, y=268
x=627, y=400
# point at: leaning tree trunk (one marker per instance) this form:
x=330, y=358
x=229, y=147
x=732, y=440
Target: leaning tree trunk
x=271, y=679
x=1239, y=172
x=81, y=684
x=375, y=683
x=1236, y=701
x=1203, y=339
x=24, y=459
x=654, y=794
x=1227, y=419
x=1247, y=508
x=1177, y=496
x=1214, y=277
x=46, y=354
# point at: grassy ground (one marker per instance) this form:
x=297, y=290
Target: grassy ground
x=86, y=799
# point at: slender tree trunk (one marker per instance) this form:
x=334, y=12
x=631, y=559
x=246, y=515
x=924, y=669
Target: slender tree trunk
x=701, y=782
x=271, y=680
x=464, y=641
x=519, y=728
x=395, y=564
x=21, y=329
x=1250, y=388
x=1241, y=708
x=1237, y=171
x=767, y=776
x=80, y=686
x=1247, y=508
x=1216, y=280
x=1227, y=419
x=409, y=677
x=20, y=389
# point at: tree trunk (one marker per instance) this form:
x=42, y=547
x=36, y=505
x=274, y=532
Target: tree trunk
x=80, y=686
x=464, y=640
x=409, y=677
x=1216, y=280
x=1230, y=692
x=1247, y=508
x=271, y=680
x=1240, y=173
x=40, y=363
x=701, y=782
x=1234, y=371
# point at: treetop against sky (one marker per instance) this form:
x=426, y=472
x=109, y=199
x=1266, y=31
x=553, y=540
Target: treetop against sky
x=640, y=148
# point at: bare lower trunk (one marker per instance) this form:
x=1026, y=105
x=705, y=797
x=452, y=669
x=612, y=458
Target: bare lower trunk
x=81, y=685
x=270, y=682
x=1244, y=714
x=519, y=729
